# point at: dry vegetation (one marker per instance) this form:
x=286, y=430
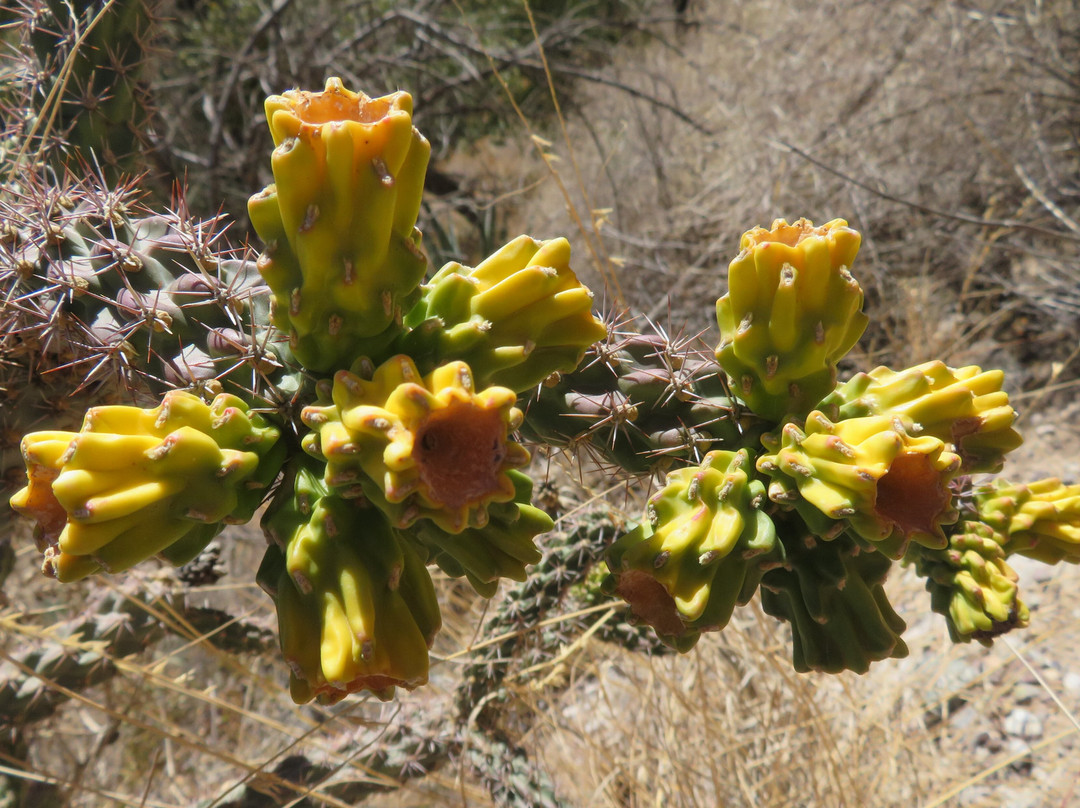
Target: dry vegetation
x=944, y=131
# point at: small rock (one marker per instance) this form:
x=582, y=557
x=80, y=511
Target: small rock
x=1026, y=692
x=973, y=797
x=991, y=743
x=964, y=719
x=1020, y=797
x=1022, y=723
x=1020, y=749
x=1072, y=682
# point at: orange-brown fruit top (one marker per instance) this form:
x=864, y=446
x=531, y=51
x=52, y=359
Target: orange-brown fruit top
x=334, y=104
x=338, y=104
x=789, y=234
x=913, y=494
x=459, y=453
x=650, y=601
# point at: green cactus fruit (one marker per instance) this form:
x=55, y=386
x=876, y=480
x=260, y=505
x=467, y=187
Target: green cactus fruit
x=832, y=595
x=964, y=407
x=148, y=304
x=868, y=473
x=971, y=585
x=700, y=550
x=792, y=311
x=421, y=447
x=356, y=606
x=638, y=403
x=1040, y=520
x=515, y=319
x=88, y=93
x=133, y=482
x=343, y=255
x=301, y=487
x=501, y=548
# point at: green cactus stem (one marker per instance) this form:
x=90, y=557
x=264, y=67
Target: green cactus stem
x=37, y=676
x=147, y=302
x=832, y=595
x=639, y=403
x=89, y=97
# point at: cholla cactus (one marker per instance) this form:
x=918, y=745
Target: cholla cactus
x=108, y=303
x=431, y=447
x=856, y=475
x=972, y=586
x=79, y=97
x=516, y=318
x=701, y=550
x=640, y=403
x=382, y=419
x=356, y=605
x=885, y=485
x=1040, y=520
x=965, y=407
x=831, y=593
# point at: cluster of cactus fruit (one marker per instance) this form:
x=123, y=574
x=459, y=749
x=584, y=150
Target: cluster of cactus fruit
x=380, y=421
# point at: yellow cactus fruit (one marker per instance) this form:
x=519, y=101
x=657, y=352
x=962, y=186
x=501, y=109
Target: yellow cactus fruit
x=970, y=583
x=342, y=253
x=792, y=310
x=964, y=407
x=1040, y=520
x=870, y=473
x=357, y=609
x=134, y=483
x=516, y=318
x=429, y=447
x=698, y=553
